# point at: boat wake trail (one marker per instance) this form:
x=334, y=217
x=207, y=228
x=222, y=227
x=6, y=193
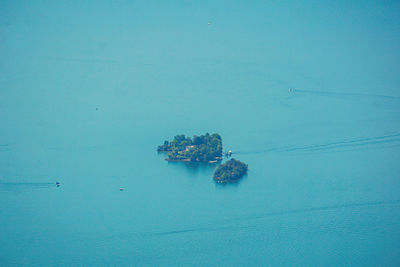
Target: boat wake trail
x=321, y=208
x=15, y=186
x=326, y=93
x=393, y=139
x=210, y=228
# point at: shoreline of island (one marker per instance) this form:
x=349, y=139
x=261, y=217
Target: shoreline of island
x=204, y=149
x=231, y=171
x=188, y=160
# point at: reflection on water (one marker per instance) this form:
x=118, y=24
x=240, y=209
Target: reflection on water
x=204, y=168
x=195, y=167
x=230, y=184
x=191, y=167
x=323, y=157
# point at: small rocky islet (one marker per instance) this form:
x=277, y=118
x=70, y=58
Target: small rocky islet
x=204, y=148
x=231, y=171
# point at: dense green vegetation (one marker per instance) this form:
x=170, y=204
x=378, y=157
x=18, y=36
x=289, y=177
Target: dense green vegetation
x=203, y=148
x=230, y=171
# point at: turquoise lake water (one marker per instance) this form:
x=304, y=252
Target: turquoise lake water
x=307, y=93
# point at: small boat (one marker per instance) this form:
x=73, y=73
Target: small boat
x=121, y=189
x=57, y=184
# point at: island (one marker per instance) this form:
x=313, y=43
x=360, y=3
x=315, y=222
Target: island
x=230, y=171
x=203, y=148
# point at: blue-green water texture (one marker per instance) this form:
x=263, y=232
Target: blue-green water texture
x=307, y=93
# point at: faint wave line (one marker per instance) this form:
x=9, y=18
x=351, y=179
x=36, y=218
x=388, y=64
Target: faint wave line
x=322, y=208
x=24, y=186
x=385, y=139
x=83, y=60
x=273, y=214
x=345, y=94
x=25, y=183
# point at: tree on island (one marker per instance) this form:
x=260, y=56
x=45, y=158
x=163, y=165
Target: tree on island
x=203, y=148
x=230, y=171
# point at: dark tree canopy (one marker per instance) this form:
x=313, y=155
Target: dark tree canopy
x=203, y=148
x=230, y=171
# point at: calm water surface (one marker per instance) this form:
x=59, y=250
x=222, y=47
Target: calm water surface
x=88, y=90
